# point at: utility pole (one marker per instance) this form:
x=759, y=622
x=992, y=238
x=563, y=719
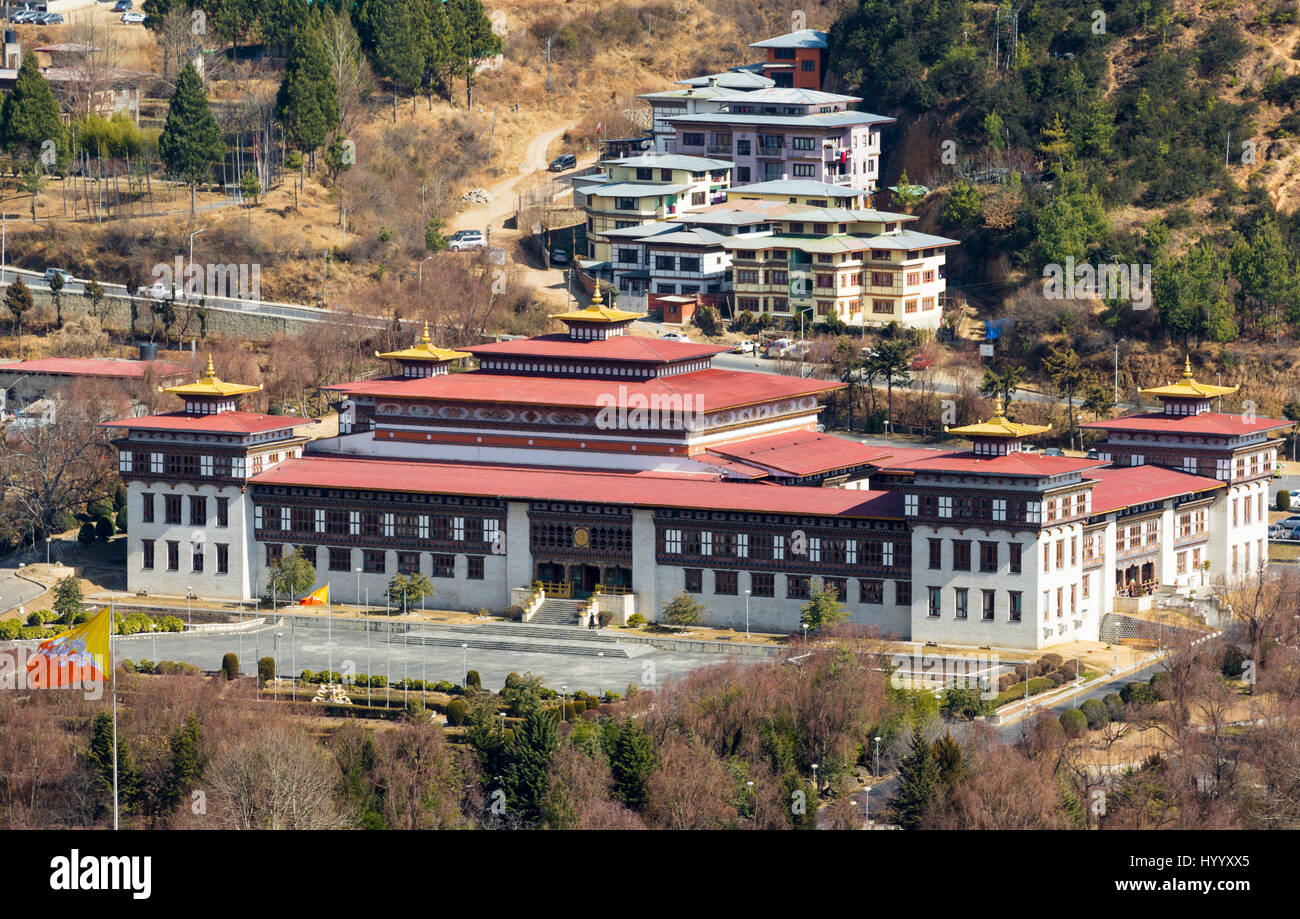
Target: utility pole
x=549, y=39
x=492, y=135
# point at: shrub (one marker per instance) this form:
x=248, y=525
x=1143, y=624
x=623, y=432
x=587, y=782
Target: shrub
x=515, y=613
x=1074, y=721
x=230, y=665
x=1159, y=684
x=1006, y=681
x=104, y=528
x=1283, y=499
x=1049, y=662
x=1137, y=694
x=265, y=670
x=1028, y=671
x=33, y=632
x=176, y=668
x=1232, y=661
x=1095, y=712
x=636, y=621
x=86, y=535
x=1057, y=678
x=35, y=617
x=1114, y=706
x=120, y=522
x=126, y=665
x=1070, y=669
x=473, y=679
x=963, y=702
x=10, y=629
x=444, y=686
x=570, y=712
x=307, y=676
x=171, y=624
x=457, y=711
x=144, y=665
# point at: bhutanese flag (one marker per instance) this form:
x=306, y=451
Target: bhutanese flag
x=73, y=658
x=317, y=597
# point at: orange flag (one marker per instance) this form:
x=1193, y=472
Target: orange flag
x=316, y=598
x=73, y=658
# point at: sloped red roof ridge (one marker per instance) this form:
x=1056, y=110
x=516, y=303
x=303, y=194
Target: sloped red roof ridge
x=233, y=422
x=621, y=348
x=1034, y=465
x=1127, y=486
x=551, y=484
x=711, y=390
x=1220, y=423
x=801, y=452
x=95, y=367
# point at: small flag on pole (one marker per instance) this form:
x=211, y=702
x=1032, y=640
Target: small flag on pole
x=72, y=658
x=316, y=598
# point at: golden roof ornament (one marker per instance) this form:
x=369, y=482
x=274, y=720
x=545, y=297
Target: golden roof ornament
x=424, y=350
x=1188, y=387
x=999, y=426
x=598, y=312
x=210, y=385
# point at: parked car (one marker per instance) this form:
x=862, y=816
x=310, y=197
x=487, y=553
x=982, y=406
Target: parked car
x=745, y=347
x=674, y=336
x=1295, y=497
x=50, y=19
x=1292, y=521
x=921, y=361
x=867, y=352
x=1283, y=531
x=465, y=240
x=129, y=18
x=1091, y=454
x=778, y=348
x=563, y=161
x=122, y=6
x=24, y=16
x=65, y=276
x=1053, y=451
x=559, y=257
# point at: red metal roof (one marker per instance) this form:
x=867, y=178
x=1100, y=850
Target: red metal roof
x=801, y=452
x=95, y=367
x=1125, y=486
x=221, y=423
x=1033, y=465
x=736, y=469
x=551, y=484
x=711, y=389
x=1216, y=423
x=623, y=348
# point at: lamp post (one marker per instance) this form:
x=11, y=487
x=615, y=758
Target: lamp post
x=805, y=633
x=192, y=235
x=464, y=664
x=1076, y=672
x=816, y=787
x=875, y=763
x=420, y=274
x=189, y=612
x=275, y=663
x=47, y=555
x=357, y=597
x=753, y=812
x=866, y=803
x=503, y=724
x=601, y=655
x=153, y=633
x=747, y=613
x=564, y=700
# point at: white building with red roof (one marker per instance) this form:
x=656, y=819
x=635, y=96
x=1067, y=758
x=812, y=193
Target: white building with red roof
x=598, y=465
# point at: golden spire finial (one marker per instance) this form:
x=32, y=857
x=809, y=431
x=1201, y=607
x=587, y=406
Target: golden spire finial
x=997, y=409
x=211, y=373
x=1187, y=367
x=424, y=339
x=596, y=300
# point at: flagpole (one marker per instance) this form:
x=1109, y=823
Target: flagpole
x=329, y=634
x=113, y=668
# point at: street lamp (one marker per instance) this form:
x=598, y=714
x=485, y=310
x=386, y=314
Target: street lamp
x=805, y=632
x=875, y=763
x=192, y=235
x=746, y=613
x=816, y=787
x=753, y=811
x=153, y=633
x=464, y=663
x=420, y=274
x=601, y=655
x=189, y=612
x=357, y=598
x=47, y=554
x=1076, y=671
x=1117, y=344
x=564, y=695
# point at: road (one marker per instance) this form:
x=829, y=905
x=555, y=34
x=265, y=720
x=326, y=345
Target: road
x=1013, y=731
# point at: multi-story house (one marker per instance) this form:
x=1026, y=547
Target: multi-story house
x=641, y=189
x=803, y=191
x=815, y=138
x=701, y=95
x=796, y=59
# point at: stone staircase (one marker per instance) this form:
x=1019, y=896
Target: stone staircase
x=555, y=611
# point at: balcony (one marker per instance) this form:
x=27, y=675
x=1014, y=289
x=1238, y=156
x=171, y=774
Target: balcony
x=771, y=151
x=724, y=149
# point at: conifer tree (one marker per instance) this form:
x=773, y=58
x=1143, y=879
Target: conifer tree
x=472, y=40
x=630, y=763
x=525, y=781
x=307, y=103
x=100, y=759
x=399, y=45
x=918, y=778
x=191, y=139
x=187, y=762
x=30, y=114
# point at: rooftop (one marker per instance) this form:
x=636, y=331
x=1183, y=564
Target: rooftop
x=634, y=189
x=558, y=484
x=233, y=422
x=1021, y=465
x=424, y=351
x=96, y=367
x=781, y=95
x=731, y=79
x=801, y=453
x=1188, y=387
x=210, y=385
x=1219, y=424
x=673, y=161
x=811, y=121
x=1125, y=486
x=620, y=348
x=999, y=426
x=803, y=38
x=808, y=187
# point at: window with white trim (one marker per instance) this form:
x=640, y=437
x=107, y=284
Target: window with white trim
x=320, y=520
x=1000, y=509
x=424, y=526
x=354, y=523
x=910, y=505
x=1223, y=470
x=284, y=518
x=389, y=523
x=491, y=531
x=257, y=517
x=205, y=466
x=706, y=542
x=945, y=506
x=673, y=542
x=1033, y=512
x=887, y=553
x=124, y=461
x=814, y=549
x=742, y=545
x=850, y=552
x=237, y=467
x=156, y=463
x=778, y=548
x=458, y=528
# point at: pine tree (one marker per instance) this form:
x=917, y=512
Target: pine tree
x=472, y=40
x=918, y=779
x=18, y=300
x=525, y=781
x=100, y=759
x=948, y=759
x=30, y=114
x=399, y=45
x=187, y=763
x=191, y=139
x=308, y=103
x=630, y=762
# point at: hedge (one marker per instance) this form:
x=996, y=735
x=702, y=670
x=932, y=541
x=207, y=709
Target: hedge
x=1095, y=711
x=1074, y=721
x=457, y=711
x=1114, y=706
x=1036, y=685
x=230, y=665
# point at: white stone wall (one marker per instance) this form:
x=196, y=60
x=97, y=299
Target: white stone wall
x=234, y=585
